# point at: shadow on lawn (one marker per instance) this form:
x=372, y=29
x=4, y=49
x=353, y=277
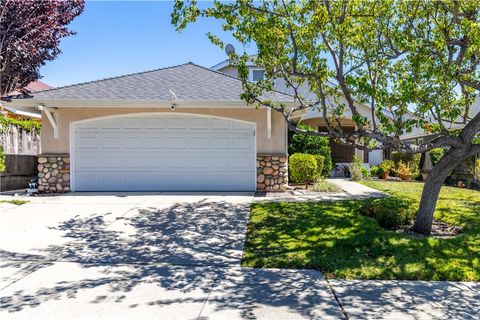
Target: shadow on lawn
x=335, y=239
x=185, y=250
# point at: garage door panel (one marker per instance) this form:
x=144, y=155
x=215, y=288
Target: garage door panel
x=155, y=123
x=199, y=124
x=132, y=123
x=153, y=142
x=86, y=142
x=177, y=123
x=113, y=123
x=174, y=152
x=176, y=142
x=132, y=142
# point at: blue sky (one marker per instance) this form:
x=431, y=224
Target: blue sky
x=115, y=38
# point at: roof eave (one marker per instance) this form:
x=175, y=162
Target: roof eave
x=72, y=103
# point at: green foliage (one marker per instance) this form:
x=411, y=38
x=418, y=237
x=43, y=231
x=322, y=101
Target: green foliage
x=375, y=171
x=324, y=186
x=365, y=173
x=403, y=170
x=320, y=161
x=302, y=168
x=404, y=55
x=27, y=125
x=411, y=160
x=387, y=166
x=477, y=170
x=335, y=238
x=390, y=212
x=436, y=154
x=356, y=169
x=15, y=202
x=304, y=143
x=2, y=159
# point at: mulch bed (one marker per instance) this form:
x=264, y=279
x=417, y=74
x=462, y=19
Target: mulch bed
x=440, y=230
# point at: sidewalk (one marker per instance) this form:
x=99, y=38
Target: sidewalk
x=355, y=189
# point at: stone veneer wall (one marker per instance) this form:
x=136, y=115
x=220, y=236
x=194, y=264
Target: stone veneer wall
x=53, y=173
x=272, y=172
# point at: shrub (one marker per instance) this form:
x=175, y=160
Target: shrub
x=365, y=173
x=302, y=168
x=403, y=170
x=27, y=125
x=304, y=143
x=324, y=186
x=2, y=159
x=387, y=166
x=413, y=161
x=375, y=171
x=390, y=212
x=356, y=169
x=320, y=161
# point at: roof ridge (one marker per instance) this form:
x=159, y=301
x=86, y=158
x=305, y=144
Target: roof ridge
x=116, y=77
x=233, y=77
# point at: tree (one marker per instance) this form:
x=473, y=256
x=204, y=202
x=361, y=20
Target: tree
x=30, y=34
x=416, y=63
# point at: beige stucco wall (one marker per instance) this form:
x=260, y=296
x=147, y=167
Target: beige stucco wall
x=275, y=145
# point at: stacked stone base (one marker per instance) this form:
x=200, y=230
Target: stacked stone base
x=272, y=172
x=53, y=173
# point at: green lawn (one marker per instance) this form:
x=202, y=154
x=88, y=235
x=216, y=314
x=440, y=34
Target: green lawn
x=334, y=238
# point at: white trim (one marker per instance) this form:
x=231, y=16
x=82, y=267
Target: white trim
x=23, y=112
x=52, y=116
x=72, y=137
x=269, y=123
x=221, y=65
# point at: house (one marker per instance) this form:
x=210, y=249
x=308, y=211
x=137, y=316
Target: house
x=342, y=155
x=181, y=128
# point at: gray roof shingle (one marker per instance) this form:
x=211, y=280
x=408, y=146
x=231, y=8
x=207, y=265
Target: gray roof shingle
x=189, y=82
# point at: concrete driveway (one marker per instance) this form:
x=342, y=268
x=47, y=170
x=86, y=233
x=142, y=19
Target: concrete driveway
x=144, y=256
x=161, y=256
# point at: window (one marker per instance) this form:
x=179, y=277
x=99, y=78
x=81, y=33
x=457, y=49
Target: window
x=257, y=75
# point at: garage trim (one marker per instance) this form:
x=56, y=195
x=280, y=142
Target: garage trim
x=72, y=136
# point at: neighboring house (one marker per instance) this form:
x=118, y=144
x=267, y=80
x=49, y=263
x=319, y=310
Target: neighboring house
x=342, y=155
x=32, y=87
x=418, y=136
x=180, y=128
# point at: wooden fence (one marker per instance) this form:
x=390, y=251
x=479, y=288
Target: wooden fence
x=17, y=141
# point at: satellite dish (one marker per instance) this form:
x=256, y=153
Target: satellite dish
x=229, y=49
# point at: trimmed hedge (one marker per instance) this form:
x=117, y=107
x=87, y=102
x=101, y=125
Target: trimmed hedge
x=316, y=145
x=320, y=161
x=302, y=168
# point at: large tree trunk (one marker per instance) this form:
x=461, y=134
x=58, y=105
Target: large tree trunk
x=431, y=189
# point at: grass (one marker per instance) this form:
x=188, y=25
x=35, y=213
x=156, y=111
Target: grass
x=16, y=202
x=335, y=238
x=324, y=186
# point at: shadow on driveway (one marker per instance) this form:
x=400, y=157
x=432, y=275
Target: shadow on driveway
x=177, y=262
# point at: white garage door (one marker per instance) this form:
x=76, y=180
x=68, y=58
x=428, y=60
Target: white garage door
x=171, y=152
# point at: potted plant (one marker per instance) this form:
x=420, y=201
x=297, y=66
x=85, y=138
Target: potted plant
x=386, y=166
x=404, y=171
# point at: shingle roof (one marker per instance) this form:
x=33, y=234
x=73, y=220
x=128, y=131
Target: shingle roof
x=189, y=82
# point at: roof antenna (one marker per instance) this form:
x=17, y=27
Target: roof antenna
x=229, y=49
x=174, y=96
